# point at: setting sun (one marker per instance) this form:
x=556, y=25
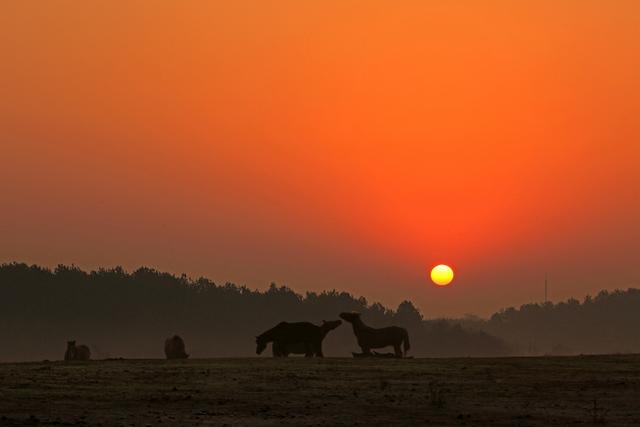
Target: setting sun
x=442, y=275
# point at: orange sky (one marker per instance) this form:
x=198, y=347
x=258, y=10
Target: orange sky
x=333, y=144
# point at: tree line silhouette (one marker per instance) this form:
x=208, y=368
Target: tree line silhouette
x=122, y=314
x=606, y=323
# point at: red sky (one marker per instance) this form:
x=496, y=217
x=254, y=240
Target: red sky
x=335, y=144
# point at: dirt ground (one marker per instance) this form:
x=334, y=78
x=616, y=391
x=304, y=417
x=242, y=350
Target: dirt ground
x=296, y=391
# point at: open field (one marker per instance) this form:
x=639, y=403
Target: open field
x=509, y=391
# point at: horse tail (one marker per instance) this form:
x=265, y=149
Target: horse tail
x=405, y=339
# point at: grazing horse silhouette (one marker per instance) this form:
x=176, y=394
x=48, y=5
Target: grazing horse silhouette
x=281, y=349
x=369, y=337
x=305, y=333
x=174, y=348
x=77, y=352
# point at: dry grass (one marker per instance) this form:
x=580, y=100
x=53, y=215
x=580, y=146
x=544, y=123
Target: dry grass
x=510, y=391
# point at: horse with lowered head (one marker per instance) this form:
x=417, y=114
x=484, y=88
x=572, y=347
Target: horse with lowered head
x=281, y=349
x=77, y=352
x=174, y=348
x=369, y=337
x=306, y=334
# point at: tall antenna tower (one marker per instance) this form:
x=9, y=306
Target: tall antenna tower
x=545, y=288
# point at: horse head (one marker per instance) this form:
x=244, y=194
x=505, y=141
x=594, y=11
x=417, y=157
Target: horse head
x=350, y=317
x=330, y=325
x=261, y=344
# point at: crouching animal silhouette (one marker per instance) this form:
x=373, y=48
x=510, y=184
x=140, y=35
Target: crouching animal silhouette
x=76, y=352
x=174, y=348
x=281, y=349
x=307, y=334
x=369, y=337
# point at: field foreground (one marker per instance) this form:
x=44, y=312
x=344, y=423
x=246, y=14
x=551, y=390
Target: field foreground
x=509, y=391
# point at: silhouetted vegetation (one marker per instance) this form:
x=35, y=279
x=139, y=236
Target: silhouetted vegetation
x=120, y=314
x=605, y=324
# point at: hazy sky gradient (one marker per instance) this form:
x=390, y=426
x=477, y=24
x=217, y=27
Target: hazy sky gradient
x=329, y=144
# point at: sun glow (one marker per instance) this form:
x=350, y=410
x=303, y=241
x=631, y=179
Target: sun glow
x=442, y=275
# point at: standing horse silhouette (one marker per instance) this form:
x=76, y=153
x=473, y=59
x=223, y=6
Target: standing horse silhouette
x=369, y=337
x=306, y=334
x=76, y=352
x=174, y=348
x=281, y=349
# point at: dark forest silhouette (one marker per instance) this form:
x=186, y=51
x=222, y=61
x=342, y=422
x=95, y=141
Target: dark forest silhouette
x=606, y=323
x=120, y=314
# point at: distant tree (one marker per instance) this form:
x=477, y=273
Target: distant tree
x=604, y=324
x=407, y=315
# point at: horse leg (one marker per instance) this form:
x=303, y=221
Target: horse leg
x=319, y=350
x=397, y=349
x=308, y=348
x=278, y=349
